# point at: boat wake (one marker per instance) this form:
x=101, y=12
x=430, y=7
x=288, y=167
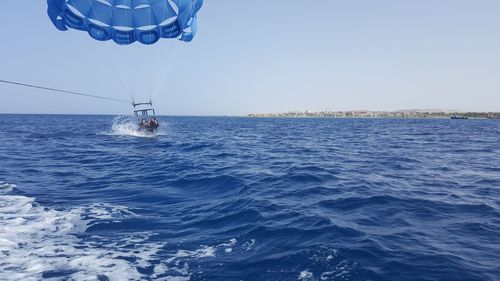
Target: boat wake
x=44, y=243
x=127, y=126
x=40, y=242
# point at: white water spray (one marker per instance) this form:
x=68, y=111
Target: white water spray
x=128, y=126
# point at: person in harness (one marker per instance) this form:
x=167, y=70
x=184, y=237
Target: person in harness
x=142, y=111
x=143, y=123
x=153, y=124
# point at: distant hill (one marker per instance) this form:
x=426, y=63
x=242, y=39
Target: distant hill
x=413, y=113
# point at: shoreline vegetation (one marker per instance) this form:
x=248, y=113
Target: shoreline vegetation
x=382, y=114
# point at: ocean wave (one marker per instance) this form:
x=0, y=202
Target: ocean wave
x=249, y=199
x=37, y=242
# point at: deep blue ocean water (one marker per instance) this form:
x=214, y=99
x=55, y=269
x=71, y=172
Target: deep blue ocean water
x=87, y=198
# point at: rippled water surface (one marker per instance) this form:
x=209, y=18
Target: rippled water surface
x=87, y=198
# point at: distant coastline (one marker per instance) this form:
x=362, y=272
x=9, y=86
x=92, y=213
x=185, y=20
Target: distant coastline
x=382, y=114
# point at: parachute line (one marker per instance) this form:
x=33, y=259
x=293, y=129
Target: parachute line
x=61, y=91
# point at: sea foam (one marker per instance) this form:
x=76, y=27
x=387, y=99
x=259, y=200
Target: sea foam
x=37, y=242
x=127, y=126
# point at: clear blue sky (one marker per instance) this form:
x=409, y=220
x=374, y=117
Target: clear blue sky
x=268, y=56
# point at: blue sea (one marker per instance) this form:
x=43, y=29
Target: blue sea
x=89, y=198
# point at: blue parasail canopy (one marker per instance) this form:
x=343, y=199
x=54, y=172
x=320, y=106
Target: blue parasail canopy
x=127, y=21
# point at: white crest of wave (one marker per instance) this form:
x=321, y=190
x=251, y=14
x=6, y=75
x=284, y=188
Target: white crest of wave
x=128, y=126
x=305, y=275
x=5, y=187
x=37, y=243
